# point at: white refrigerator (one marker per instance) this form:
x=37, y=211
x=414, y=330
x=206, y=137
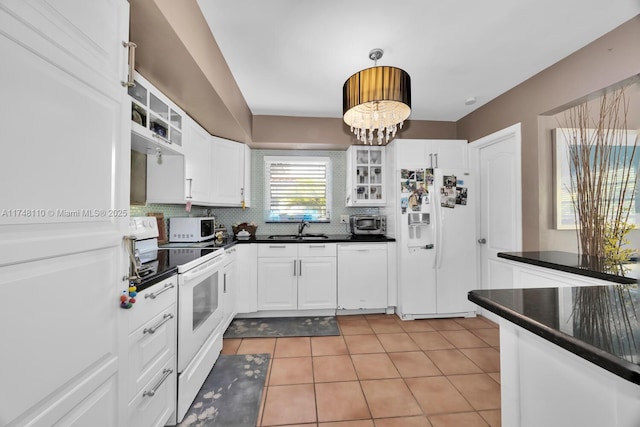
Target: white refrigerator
x=434, y=216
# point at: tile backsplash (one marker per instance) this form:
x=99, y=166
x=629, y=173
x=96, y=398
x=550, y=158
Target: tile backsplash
x=255, y=213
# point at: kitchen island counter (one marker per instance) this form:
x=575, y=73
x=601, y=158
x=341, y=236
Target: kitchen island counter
x=568, y=355
x=567, y=317
x=568, y=262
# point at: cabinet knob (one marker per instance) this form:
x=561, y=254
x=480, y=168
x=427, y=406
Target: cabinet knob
x=482, y=241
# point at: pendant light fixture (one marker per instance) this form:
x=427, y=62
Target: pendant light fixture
x=376, y=100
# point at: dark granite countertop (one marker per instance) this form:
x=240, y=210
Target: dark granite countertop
x=598, y=323
x=331, y=238
x=577, y=264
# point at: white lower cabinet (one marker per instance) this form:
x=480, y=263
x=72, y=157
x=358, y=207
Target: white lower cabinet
x=150, y=376
x=297, y=276
x=156, y=401
x=229, y=286
x=362, y=276
x=531, y=276
x=247, y=283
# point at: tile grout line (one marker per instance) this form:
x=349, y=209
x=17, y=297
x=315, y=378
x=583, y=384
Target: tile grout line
x=394, y=364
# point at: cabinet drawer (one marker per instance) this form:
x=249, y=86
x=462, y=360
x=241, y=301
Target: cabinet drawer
x=277, y=250
x=151, y=301
x=156, y=401
x=149, y=347
x=316, y=249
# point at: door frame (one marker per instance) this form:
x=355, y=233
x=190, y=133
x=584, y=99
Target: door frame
x=513, y=131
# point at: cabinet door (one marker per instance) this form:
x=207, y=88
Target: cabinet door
x=432, y=153
x=246, y=190
x=198, y=171
x=228, y=172
x=247, y=283
x=66, y=116
x=450, y=153
x=165, y=179
x=362, y=276
x=413, y=152
x=229, y=288
x=317, y=283
x=366, y=183
x=277, y=284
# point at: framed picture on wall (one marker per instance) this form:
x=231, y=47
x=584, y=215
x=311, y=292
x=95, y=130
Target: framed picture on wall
x=564, y=193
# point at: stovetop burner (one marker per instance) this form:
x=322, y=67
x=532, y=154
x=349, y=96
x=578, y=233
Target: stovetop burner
x=171, y=261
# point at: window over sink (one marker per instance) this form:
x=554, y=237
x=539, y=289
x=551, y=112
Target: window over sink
x=297, y=188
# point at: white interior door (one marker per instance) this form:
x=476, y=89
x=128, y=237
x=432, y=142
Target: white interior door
x=497, y=157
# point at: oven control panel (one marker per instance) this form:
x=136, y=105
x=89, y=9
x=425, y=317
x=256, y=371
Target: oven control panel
x=143, y=227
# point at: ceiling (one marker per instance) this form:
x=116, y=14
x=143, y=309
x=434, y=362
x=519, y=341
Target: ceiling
x=291, y=57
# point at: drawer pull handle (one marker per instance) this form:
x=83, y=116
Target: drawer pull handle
x=317, y=246
x=277, y=246
x=153, y=295
x=165, y=374
x=164, y=320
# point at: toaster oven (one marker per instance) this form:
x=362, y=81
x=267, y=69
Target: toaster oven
x=367, y=224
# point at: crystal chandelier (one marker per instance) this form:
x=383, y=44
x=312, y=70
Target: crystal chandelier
x=377, y=101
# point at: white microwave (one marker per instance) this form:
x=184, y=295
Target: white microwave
x=188, y=229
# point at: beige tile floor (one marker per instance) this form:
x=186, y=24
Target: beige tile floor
x=382, y=372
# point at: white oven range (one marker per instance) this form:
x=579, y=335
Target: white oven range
x=200, y=312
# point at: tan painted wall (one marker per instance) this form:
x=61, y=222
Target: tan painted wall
x=274, y=132
x=611, y=59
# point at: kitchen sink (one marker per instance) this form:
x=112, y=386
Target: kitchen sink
x=296, y=237
x=313, y=236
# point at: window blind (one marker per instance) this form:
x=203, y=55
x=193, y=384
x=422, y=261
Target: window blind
x=297, y=188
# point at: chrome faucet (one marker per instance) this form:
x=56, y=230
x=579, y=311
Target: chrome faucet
x=301, y=226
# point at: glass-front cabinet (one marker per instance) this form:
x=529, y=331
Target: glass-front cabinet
x=365, y=176
x=152, y=112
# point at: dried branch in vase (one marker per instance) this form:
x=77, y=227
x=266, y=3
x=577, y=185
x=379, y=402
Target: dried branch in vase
x=603, y=177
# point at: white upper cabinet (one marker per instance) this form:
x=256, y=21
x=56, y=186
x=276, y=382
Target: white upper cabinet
x=228, y=166
x=156, y=122
x=246, y=190
x=432, y=153
x=198, y=151
x=366, y=171
x=189, y=165
x=157, y=127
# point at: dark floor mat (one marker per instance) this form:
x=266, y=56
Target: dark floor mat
x=230, y=396
x=283, y=327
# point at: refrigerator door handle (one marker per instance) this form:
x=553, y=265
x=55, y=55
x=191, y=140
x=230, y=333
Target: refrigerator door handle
x=440, y=237
x=438, y=214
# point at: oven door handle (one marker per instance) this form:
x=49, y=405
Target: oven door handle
x=205, y=269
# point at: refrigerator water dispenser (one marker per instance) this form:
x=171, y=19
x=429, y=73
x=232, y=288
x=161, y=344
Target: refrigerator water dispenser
x=419, y=219
x=416, y=222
